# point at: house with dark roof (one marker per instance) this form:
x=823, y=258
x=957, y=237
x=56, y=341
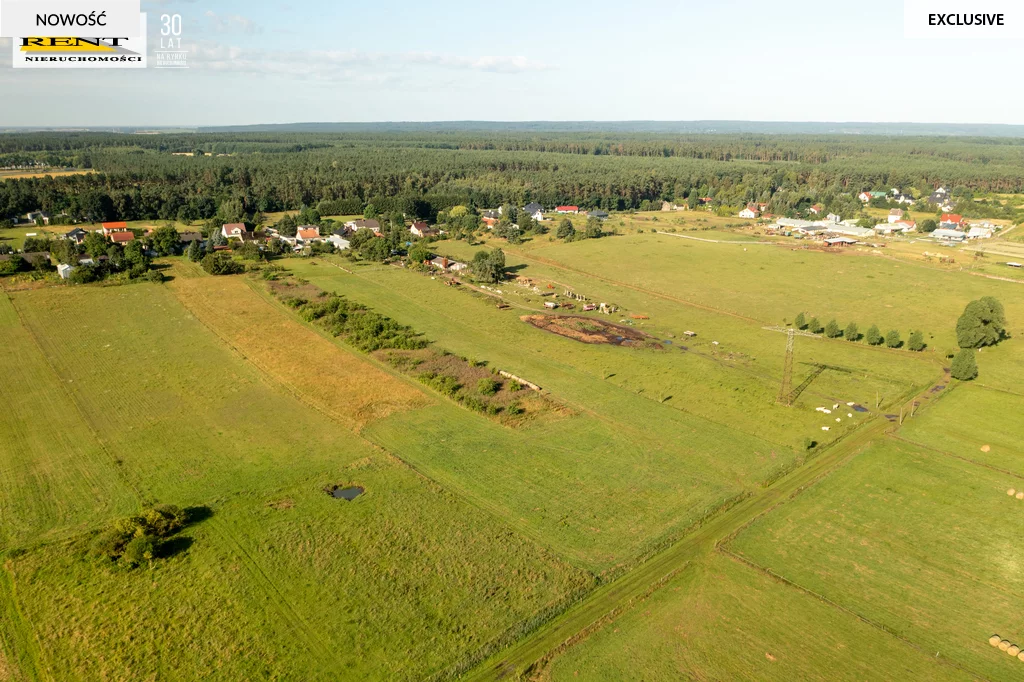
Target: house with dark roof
x=76, y=235
x=534, y=210
x=189, y=237
x=368, y=224
x=421, y=229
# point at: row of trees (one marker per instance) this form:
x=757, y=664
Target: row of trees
x=873, y=336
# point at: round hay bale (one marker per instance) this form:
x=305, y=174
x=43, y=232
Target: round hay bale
x=1013, y=650
x=985, y=448
x=1020, y=495
x=1020, y=656
x=1011, y=492
x=994, y=640
x=1004, y=645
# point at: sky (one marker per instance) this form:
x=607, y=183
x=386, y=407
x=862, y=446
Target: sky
x=443, y=60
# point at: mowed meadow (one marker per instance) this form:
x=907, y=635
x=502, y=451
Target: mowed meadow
x=128, y=399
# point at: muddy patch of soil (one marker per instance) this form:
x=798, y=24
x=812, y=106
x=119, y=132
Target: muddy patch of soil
x=591, y=330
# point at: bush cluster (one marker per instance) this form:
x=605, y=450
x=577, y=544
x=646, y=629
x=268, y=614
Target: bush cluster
x=135, y=540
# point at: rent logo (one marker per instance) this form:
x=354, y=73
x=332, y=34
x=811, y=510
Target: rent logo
x=79, y=53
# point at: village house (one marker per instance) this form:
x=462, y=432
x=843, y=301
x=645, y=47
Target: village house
x=111, y=228
x=489, y=222
x=121, y=237
x=901, y=198
x=76, y=235
x=307, y=234
x=189, y=237
x=816, y=209
x=368, y=224
x=36, y=216
x=749, y=212
x=443, y=263
x=65, y=270
x=534, y=210
x=235, y=231
x=898, y=227
x=422, y=230
x=951, y=220
x=895, y=215
x=576, y=209
x=833, y=218
x=868, y=196
x=494, y=215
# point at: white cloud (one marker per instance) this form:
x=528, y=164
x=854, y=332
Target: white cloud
x=347, y=64
x=231, y=23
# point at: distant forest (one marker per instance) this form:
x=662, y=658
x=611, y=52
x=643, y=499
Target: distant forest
x=240, y=175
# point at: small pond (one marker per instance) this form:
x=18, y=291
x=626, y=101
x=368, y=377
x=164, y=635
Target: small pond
x=348, y=493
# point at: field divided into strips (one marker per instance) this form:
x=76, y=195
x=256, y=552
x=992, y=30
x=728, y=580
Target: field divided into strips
x=55, y=478
x=721, y=620
x=343, y=385
x=599, y=488
x=733, y=384
x=772, y=283
x=921, y=544
x=282, y=582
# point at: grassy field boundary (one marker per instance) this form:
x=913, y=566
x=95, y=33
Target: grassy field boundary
x=782, y=580
x=968, y=460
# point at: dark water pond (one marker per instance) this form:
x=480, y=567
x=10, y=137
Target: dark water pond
x=350, y=493
x=859, y=408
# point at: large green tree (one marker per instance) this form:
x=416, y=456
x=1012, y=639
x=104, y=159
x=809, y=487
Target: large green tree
x=965, y=367
x=489, y=266
x=983, y=323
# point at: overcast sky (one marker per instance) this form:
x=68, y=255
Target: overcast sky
x=398, y=60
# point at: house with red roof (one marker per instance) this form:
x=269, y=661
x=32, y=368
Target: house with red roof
x=235, y=231
x=567, y=209
x=953, y=220
x=111, y=228
x=307, y=233
x=750, y=212
x=121, y=237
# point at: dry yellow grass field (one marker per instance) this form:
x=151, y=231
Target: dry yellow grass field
x=345, y=386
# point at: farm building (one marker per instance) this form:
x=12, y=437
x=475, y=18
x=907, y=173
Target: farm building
x=947, y=235
x=850, y=230
x=979, y=233
x=840, y=241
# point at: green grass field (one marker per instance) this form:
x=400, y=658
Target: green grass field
x=720, y=620
x=917, y=542
x=283, y=581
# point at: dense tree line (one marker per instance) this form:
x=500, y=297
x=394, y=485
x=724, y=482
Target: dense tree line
x=241, y=175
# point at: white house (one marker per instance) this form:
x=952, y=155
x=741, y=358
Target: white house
x=534, y=210
x=864, y=196
x=368, y=224
x=421, y=229
x=895, y=215
x=748, y=212
x=833, y=218
x=235, y=231
x=64, y=270
x=307, y=234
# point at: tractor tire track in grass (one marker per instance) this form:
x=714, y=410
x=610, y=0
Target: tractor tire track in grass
x=296, y=624
x=534, y=651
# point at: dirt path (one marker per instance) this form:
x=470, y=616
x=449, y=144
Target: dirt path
x=610, y=601
x=710, y=241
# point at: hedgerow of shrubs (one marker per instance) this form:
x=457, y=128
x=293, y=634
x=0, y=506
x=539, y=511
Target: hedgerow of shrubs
x=358, y=325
